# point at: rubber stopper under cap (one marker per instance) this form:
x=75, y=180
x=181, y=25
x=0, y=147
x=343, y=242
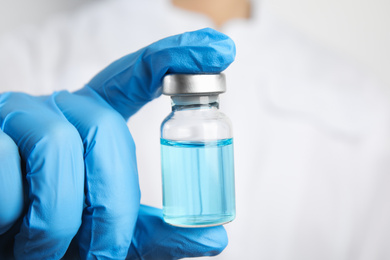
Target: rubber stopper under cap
x=193, y=84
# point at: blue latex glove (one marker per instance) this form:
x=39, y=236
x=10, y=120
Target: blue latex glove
x=76, y=148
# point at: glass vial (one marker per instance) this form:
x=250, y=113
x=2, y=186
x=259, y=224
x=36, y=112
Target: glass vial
x=197, y=153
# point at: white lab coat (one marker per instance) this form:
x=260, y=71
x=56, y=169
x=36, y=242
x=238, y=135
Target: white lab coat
x=311, y=131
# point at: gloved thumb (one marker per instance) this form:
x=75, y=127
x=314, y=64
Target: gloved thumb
x=132, y=81
x=155, y=239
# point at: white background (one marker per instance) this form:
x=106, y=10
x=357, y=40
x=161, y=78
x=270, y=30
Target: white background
x=358, y=29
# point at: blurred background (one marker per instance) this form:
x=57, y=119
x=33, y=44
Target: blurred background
x=312, y=143
x=356, y=28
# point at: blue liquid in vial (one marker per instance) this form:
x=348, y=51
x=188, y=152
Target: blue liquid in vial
x=198, y=182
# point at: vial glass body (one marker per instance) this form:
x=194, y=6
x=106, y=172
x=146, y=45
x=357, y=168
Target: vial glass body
x=197, y=163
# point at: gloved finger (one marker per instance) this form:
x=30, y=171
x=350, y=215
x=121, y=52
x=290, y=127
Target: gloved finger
x=53, y=153
x=155, y=239
x=112, y=190
x=130, y=82
x=11, y=185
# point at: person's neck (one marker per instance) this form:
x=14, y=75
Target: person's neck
x=219, y=11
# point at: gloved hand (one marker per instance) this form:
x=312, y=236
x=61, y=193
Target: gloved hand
x=75, y=148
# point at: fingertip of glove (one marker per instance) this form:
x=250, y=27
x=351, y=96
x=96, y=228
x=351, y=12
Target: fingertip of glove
x=223, y=240
x=222, y=43
x=155, y=237
x=214, y=240
x=202, y=51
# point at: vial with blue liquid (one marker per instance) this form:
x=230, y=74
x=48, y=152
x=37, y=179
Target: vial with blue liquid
x=197, y=153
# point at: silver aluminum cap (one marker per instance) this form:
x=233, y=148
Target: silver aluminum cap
x=193, y=84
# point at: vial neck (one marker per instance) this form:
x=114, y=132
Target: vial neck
x=194, y=102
